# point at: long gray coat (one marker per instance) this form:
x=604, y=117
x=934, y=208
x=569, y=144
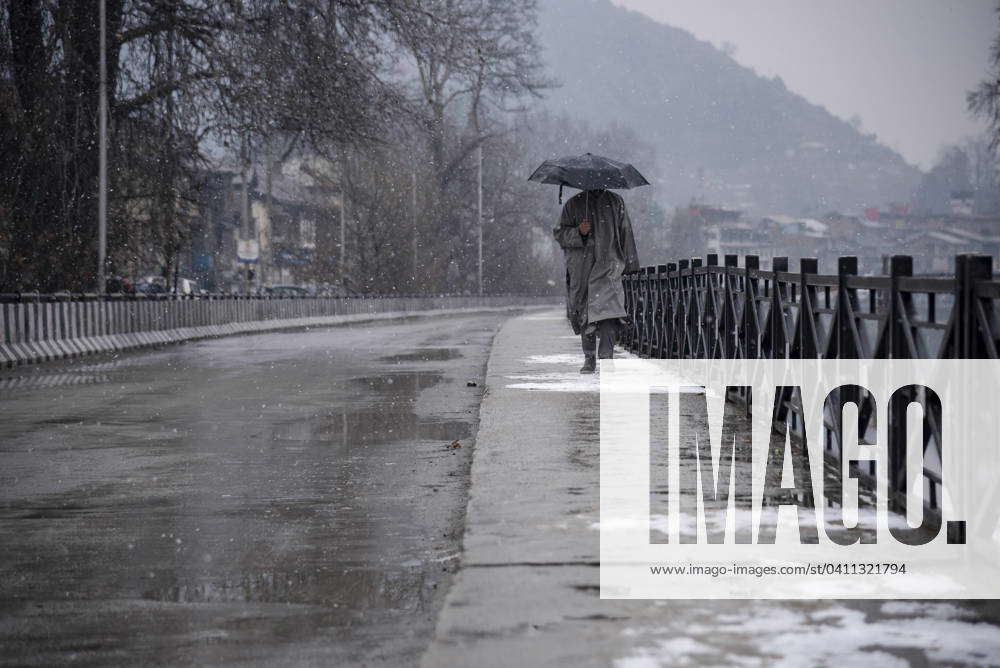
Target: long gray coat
x=594, y=265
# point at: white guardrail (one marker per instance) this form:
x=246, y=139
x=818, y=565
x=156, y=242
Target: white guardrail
x=39, y=327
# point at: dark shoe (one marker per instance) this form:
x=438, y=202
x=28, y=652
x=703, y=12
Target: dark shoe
x=589, y=365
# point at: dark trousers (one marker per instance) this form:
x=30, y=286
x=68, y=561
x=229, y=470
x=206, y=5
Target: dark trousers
x=606, y=331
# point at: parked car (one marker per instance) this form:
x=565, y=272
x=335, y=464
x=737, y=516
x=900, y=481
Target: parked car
x=337, y=291
x=287, y=291
x=119, y=284
x=186, y=287
x=151, y=285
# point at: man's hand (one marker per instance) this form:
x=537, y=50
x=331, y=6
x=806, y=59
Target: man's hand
x=585, y=228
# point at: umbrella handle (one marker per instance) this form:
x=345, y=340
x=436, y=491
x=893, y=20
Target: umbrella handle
x=560, y=193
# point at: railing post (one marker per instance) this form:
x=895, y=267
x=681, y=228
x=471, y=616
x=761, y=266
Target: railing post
x=969, y=269
x=727, y=322
x=626, y=334
x=777, y=336
x=895, y=348
x=970, y=335
x=695, y=322
x=669, y=313
x=645, y=315
x=844, y=345
x=636, y=309
x=649, y=301
x=658, y=347
x=841, y=344
x=683, y=330
x=899, y=266
x=807, y=340
x=710, y=312
x=751, y=335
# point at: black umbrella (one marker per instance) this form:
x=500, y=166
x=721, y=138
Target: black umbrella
x=588, y=172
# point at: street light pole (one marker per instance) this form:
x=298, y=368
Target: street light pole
x=479, y=213
x=102, y=196
x=245, y=204
x=413, y=216
x=343, y=223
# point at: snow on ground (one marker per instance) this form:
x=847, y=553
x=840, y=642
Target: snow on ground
x=568, y=377
x=557, y=382
x=824, y=635
x=544, y=316
x=565, y=376
x=565, y=359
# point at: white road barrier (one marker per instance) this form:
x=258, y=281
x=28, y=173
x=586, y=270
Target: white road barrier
x=39, y=328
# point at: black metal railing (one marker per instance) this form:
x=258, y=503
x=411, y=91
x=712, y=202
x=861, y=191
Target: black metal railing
x=691, y=310
x=704, y=311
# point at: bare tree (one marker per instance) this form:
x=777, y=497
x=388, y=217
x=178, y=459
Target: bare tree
x=470, y=56
x=984, y=100
x=159, y=58
x=180, y=71
x=413, y=86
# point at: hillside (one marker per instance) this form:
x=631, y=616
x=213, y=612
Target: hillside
x=720, y=131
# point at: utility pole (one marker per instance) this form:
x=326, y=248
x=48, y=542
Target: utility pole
x=102, y=196
x=269, y=207
x=245, y=205
x=413, y=215
x=343, y=223
x=479, y=213
x=343, y=236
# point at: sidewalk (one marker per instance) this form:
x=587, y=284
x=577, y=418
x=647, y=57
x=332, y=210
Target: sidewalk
x=527, y=593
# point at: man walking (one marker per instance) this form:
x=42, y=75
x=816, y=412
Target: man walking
x=595, y=234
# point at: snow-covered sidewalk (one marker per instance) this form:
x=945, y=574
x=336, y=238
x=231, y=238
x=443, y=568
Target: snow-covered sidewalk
x=528, y=595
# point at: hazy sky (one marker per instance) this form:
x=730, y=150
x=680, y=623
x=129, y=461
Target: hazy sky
x=904, y=66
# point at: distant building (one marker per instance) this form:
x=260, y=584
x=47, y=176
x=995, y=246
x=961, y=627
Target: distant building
x=962, y=202
x=933, y=240
x=290, y=217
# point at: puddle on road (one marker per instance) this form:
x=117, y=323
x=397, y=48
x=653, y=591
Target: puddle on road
x=423, y=355
x=51, y=379
x=64, y=420
x=398, y=386
x=376, y=425
x=349, y=589
x=386, y=415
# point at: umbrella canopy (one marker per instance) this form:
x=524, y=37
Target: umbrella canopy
x=588, y=172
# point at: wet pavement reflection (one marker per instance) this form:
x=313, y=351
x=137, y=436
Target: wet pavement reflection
x=278, y=499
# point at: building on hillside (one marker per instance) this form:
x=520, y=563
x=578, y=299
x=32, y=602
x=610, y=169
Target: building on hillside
x=933, y=240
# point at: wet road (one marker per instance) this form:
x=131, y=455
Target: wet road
x=284, y=498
